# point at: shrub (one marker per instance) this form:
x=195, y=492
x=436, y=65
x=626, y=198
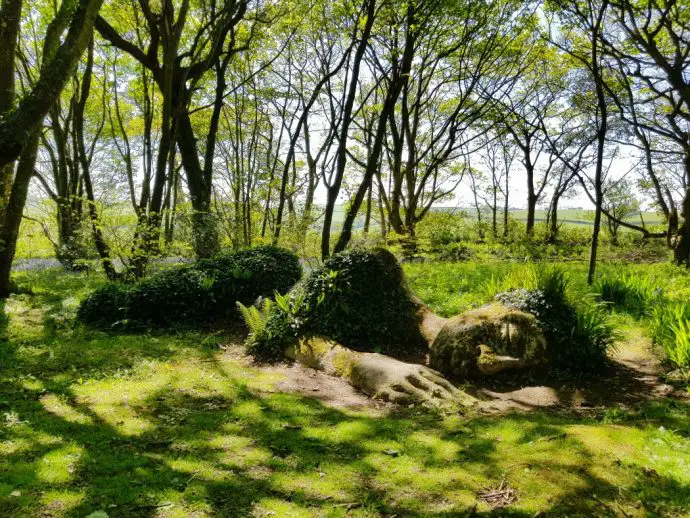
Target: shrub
x=670, y=328
x=195, y=294
x=359, y=298
x=278, y=326
x=439, y=229
x=456, y=252
x=106, y=305
x=577, y=337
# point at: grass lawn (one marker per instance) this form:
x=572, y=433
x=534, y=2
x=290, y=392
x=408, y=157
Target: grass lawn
x=176, y=425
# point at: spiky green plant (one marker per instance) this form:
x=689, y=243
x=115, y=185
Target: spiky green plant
x=678, y=351
x=256, y=316
x=670, y=328
x=634, y=294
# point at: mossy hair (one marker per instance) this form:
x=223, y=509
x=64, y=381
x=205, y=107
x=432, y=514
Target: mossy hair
x=194, y=294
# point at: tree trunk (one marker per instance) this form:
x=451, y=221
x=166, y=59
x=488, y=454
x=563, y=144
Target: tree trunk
x=10, y=14
x=599, y=171
x=494, y=215
x=367, y=218
x=682, y=251
x=531, y=200
x=553, y=216
x=27, y=117
x=101, y=246
x=505, y=211
x=9, y=229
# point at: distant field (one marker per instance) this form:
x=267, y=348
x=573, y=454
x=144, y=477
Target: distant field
x=579, y=217
x=571, y=217
x=34, y=244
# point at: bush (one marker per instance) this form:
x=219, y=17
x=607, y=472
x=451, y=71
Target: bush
x=456, y=252
x=359, y=298
x=273, y=328
x=577, y=337
x=439, y=229
x=195, y=294
x=105, y=306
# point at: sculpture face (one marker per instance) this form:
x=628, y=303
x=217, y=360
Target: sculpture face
x=486, y=341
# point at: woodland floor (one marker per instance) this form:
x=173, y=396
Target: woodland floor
x=184, y=424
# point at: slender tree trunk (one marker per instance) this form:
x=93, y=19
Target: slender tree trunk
x=382, y=217
x=553, y=216
x=494, y=214
x=599, y=171
x=682, y=250
x=367, y=218
x=398, y=82
x=101, y=245
x=672, y=227
x=505, y=210
x=9, y=230
x=531, y=198
x=341, y=154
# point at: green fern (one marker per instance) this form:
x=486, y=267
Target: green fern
x=256, y=316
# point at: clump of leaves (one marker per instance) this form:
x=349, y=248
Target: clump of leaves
x=670, y=328
x=578, y=337
x=196, y=294
x=359, y=298
x=632, y=293
x=277, y=327
x=256, y=316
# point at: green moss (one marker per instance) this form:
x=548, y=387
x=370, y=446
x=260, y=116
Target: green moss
x=143, y=424
x=196, y=294
x=359, y=298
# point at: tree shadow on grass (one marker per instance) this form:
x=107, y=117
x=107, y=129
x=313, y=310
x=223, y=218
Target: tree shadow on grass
x=615, y=385
x=189, y=446
x=224, y=454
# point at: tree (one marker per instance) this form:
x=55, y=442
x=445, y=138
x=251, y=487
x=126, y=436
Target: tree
x=526, y=113
x=649, y=40
x=582, y=23
x=432, y=126
x=66, y=38
x=620, y=203
x=183, y=44
x=497, y=157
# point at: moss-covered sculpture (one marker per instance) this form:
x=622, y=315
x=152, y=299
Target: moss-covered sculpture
x=486, y=341
x=377, y=375
x=359, y=304
x=358, y=298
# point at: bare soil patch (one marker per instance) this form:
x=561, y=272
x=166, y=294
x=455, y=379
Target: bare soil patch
x=632, y=377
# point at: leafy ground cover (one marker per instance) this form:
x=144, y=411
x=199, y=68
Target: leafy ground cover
x=181, y=424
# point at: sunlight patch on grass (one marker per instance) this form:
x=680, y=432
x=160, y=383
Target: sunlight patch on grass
x=59, y=466
x=58, y=406
x=61, y=501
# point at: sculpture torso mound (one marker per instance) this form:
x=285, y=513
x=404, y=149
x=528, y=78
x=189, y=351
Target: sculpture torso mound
x=488, y=340
x=360, y=298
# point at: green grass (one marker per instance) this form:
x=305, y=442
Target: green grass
x=171, y=425
x=451, y=288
